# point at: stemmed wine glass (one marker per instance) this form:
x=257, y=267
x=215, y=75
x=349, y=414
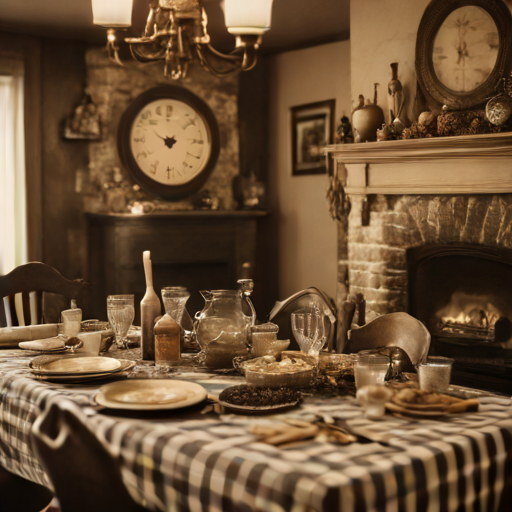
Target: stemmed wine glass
x=121, y=312
x=308, y=329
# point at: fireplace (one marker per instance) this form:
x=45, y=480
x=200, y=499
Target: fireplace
x=430, y=232
x=463, y=294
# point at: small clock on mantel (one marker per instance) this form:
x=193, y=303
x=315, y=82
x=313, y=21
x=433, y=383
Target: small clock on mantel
x=168, y=139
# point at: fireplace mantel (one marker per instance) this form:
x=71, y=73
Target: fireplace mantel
x=475, y=164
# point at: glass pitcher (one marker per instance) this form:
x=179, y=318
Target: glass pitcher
x=223, y=318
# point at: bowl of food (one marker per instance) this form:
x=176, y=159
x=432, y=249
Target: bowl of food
x=268, y=372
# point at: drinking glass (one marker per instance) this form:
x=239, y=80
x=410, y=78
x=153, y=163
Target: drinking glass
x=308, y=330
x=370, y=370
x=71, y=319
x=121, y=313
x=175, y=298
x=434, y=375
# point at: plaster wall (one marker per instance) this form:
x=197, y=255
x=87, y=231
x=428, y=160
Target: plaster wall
x=307, y=236
x=382, y=33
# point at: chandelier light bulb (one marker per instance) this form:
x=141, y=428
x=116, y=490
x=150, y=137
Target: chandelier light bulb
x=251, y=17
x=112, y=13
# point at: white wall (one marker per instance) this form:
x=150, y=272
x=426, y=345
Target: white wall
x=382, y=33
x=307, y=234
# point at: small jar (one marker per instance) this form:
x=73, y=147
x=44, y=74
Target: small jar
x=263, y=339
x=167, y=342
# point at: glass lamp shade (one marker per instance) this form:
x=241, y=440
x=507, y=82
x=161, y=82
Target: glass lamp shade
x=112, y=13
x=248, y=16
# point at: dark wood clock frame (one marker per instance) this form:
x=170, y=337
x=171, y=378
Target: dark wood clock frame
x=435, y=13
x=123, y=141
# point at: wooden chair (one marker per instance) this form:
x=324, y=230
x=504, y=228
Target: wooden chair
x=29, y=295
x=35, y=293
x=91, y=479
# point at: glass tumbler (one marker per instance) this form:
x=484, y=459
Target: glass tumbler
x=370, y=370
x=121, y=313
x=71, y=319
x=174, y=299
x=308, y=330
x=435, y=374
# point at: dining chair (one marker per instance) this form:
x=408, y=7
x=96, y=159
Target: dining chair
x=90, y=479
x=392, y=330
x=31, y=294
x=36, y=293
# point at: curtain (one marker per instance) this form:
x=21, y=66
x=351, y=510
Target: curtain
x=13, y=215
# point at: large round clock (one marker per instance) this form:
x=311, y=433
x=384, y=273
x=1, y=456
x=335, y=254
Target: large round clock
x=168, y=139
x=463, y=50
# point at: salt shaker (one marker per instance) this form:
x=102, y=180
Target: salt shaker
x=150, y=309
x=167, y=341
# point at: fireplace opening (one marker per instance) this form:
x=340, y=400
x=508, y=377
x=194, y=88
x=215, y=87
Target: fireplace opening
x=463, y=294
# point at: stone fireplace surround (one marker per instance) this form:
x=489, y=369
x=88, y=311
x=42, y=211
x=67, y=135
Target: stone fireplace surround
x=418, y=192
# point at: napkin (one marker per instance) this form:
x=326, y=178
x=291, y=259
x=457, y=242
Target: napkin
x=11, y=336
x=47, y=344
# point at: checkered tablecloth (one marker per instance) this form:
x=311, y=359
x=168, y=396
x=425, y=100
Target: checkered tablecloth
x=212, y=463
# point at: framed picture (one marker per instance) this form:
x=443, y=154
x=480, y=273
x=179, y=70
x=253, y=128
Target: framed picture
x=312, y=130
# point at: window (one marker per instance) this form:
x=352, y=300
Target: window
x=13, y=216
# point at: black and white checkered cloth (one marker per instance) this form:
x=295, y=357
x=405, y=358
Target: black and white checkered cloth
x=460, y=463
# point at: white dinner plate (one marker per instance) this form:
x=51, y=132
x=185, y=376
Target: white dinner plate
x=150, y=394
x=76, y=365
x=126, y=366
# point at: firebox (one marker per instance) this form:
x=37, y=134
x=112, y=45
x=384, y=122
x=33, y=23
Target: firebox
x=463, y=294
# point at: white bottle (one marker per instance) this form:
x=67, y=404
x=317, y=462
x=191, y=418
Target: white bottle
x=150, y=309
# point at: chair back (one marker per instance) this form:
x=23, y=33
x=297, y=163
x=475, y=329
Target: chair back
x=32, y=293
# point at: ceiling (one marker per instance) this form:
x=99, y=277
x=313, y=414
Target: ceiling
x=295, y=23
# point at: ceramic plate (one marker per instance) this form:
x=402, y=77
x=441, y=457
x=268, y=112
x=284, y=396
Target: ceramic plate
x=124, y=368
x=150, y=394
x=75, y=365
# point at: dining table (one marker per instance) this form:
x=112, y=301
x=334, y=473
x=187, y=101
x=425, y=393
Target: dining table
x=205, y=458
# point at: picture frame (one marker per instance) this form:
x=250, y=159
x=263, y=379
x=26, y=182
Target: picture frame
x=312, y=128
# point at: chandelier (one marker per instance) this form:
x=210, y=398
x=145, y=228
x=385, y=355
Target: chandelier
x=176, y=32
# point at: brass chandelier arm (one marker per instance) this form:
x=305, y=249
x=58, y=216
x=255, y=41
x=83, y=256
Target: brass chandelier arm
x=180, y=36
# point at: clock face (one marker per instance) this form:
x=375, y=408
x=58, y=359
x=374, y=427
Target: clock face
x=170, y=141
x=465, y=49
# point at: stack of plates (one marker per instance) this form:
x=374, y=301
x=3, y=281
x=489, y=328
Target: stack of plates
x=150, y=394
x=78, y=369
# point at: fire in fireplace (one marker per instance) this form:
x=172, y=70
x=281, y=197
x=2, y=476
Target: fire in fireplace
x=463, y=294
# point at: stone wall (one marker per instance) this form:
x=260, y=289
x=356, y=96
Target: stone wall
x=373, y=257
x=113, y=87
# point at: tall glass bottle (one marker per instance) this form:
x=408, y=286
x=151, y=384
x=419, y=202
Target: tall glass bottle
x=150, y=309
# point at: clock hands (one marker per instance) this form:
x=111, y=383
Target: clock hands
x=168, y=141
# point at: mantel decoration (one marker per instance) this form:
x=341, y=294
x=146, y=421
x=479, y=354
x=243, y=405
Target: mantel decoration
x=463, y=50
x=176, y=32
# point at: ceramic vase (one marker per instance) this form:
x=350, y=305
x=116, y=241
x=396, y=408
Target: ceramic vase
x=367, y=120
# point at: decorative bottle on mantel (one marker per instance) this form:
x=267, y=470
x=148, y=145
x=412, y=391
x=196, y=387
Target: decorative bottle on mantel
x=150, y=309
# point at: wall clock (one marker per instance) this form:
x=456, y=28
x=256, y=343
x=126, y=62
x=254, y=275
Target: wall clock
x=168, y=139
x=463, y=49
